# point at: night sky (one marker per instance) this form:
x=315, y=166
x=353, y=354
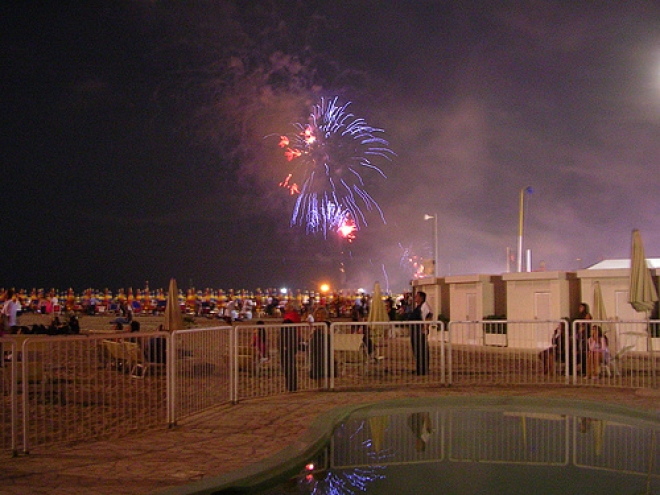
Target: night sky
x=138, y=137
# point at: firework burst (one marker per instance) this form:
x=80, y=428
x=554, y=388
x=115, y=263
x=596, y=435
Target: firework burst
x=414, y=265
x=329, y=154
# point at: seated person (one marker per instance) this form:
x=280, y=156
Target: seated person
x=127, y=317
x=556, y=353
x=155, y=348
x=74, y=325
x=132, y=328
x=56, y=327
x=599, y=352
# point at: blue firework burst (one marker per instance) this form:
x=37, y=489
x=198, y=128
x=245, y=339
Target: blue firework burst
x=330, y=154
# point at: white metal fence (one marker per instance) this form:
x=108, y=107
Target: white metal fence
x=9, y=410
x=70, y=388
x=67, y=389
x=632, y=360
x=200, y=370
x=502, y=352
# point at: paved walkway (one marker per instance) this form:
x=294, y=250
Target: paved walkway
x=226, y=439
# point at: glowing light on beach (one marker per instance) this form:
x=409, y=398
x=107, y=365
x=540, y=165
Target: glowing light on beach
x=330, y=153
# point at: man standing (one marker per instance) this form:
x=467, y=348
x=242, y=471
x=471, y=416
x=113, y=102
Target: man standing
x=10, y=312
x=418, y=337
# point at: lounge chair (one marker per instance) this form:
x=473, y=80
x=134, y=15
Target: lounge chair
x=613, y=364
x=138, y=364
x=114, y=354
x=350, y=350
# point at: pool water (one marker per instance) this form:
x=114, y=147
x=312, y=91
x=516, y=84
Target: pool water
x=486, y=446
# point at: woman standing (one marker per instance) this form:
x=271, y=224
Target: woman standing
x=582, y=334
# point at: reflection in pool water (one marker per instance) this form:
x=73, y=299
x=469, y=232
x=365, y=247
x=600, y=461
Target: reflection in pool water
x=479, y=446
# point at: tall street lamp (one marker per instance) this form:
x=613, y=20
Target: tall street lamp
x=435, y=242
x=521, y=223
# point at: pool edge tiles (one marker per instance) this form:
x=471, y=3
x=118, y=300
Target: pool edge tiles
x=280, y=465
x=289, y=461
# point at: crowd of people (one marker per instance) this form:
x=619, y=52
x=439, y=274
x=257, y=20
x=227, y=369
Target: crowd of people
x=231, y=305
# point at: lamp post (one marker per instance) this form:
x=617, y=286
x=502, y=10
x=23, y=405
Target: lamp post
x=435, y=242
x=521, y=222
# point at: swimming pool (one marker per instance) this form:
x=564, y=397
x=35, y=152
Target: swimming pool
x=465, y=445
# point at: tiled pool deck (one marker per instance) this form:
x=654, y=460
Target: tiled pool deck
x=228, y=438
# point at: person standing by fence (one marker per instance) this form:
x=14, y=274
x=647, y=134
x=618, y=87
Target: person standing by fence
x=319, y=346
x=288, y=348
x=582, y=334
x=10, y=312
x=418, y=333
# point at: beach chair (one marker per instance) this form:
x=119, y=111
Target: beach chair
x=249, y=361
x=114, y=355
x=270, y=366
x=350, y=350
x=245, y=356
x=613, y=366
x=137, y=307
x=135, y=360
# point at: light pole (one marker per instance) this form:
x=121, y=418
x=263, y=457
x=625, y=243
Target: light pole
x=435, y=242
x=521, y=222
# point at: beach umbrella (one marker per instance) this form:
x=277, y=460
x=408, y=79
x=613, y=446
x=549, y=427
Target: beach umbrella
x=377, y=311
x=599, y=314
x=598, y=308
x=642, y=294
x=377, y=314
x=173, y=316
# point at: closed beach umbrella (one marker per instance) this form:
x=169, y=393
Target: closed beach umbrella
x=173, y=316
x=377, y=314
x=642, y=294
x=598, y=309
x=599, y=314
x=377, y=311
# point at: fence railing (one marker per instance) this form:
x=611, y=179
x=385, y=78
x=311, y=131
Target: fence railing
x=71, y=388
x=200, y=372
x=9, y=410
x=631, y=359
x=502, y=352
